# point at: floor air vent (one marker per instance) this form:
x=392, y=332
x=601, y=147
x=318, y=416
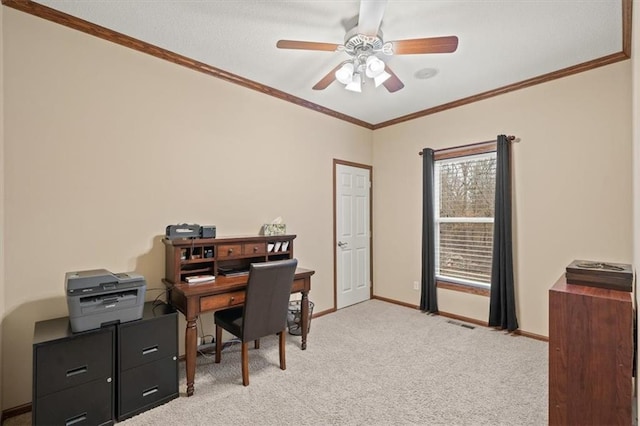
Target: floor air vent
x=469, y=326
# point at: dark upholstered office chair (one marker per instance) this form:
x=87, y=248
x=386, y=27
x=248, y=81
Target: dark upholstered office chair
x=264, y=312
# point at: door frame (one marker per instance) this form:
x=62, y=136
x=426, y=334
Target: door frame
x=336, y=162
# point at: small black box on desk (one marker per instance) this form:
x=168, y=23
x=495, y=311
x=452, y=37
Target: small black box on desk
x=613, y=276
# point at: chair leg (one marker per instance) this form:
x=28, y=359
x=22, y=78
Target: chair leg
x=245, y=363
x=256, y=344
x=218, y=343
x=283, y=361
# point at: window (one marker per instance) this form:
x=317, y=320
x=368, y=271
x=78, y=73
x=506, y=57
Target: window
x=464, y=196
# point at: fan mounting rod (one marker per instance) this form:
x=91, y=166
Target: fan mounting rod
x=357, y=44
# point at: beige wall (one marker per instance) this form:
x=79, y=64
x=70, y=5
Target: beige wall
x=106, y=146
x=635, y=62
x=2, y=157
x=572, y=174
x=103, y=147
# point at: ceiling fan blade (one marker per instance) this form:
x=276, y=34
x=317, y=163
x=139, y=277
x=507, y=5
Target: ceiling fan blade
x=393, y=83
x=370, y=17
x=327, y=79
x=446, y=44
x=306, y=45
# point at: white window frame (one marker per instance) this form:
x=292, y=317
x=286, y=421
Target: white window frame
x=438, y=220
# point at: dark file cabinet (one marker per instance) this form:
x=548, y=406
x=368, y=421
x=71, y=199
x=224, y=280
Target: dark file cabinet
x=73, y=374
x=114, y=372
x=147, y=360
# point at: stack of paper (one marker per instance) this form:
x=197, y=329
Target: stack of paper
x=199, y=278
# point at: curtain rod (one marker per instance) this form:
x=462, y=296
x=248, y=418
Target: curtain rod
x=510, y=138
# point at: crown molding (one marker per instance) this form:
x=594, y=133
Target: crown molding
x=61, y=18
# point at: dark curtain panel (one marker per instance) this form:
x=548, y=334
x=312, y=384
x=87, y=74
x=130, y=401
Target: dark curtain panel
x=428, y=297
x=502, y=305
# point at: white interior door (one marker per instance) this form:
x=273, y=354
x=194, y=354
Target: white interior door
x=353, y=235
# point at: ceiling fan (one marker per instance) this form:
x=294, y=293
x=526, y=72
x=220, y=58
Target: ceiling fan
x=363, y=44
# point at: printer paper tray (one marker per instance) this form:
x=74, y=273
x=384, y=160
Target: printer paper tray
x=104, y=302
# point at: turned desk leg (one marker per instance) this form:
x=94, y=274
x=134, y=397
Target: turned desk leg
x=190, y=347
x=304, y=320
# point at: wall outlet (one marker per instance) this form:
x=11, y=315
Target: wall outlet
x=416, y=285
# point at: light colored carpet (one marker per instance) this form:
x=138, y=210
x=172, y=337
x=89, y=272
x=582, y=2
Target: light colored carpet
x=374, y=363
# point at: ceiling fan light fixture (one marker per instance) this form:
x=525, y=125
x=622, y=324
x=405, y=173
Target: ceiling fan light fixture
x=381, y=78
x=387, y=48
x=365, y=45
x=356, y=84
x=374, y=66
x=345, y=73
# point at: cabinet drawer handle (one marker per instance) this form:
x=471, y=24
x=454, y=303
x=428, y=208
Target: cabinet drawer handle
x=76, y=371
x=150, y=350
x=77, y=419
x=150, y=391
x=230, y=251
x=255, y=249
x=231, y=299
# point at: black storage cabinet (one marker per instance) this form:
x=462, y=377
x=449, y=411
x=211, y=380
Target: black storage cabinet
x=73, y=374
x=113, y=372
x=147, y=360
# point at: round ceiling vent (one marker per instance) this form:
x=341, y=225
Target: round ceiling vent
x=425, y=73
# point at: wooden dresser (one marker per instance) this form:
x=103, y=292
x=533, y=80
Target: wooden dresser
x=590, y=355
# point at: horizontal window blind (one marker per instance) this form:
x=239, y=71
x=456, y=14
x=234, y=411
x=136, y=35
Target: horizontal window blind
x=465, y=197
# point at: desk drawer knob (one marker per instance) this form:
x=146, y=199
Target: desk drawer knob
x=255, y=249
x=230, y=251
x=231, y=299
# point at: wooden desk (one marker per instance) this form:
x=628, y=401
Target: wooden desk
x=194, y=299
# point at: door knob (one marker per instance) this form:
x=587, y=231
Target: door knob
x=342, y=244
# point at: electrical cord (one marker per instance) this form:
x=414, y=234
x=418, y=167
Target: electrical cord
x=157, y=299
x=211, y=353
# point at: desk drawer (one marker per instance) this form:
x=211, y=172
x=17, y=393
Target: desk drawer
x=229, y=250
x=298, y=285
x=254, y=249
x=220, y=301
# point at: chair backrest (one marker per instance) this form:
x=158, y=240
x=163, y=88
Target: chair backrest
x=267, y=298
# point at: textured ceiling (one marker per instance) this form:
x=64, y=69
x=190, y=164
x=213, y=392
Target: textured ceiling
x=501, y=43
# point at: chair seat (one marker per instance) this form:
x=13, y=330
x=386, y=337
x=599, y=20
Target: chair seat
x=230, y=319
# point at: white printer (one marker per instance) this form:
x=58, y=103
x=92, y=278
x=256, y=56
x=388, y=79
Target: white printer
x=98, y=297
